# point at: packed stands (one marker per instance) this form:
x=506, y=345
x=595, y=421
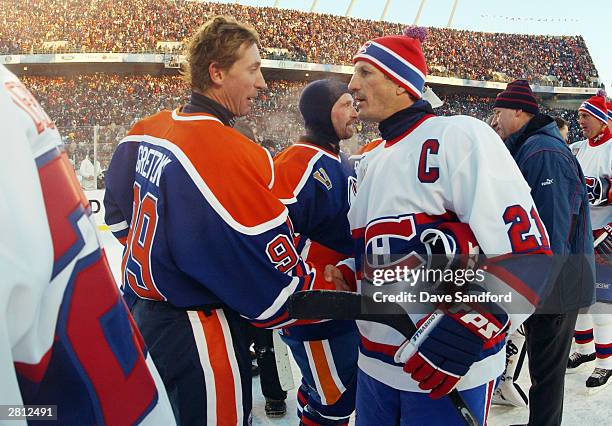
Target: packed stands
x=31, y=26
x=113, y=103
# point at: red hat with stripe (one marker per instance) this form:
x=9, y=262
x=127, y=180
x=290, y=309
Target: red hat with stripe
x=518, y=95
x=400, y=57
x=596, y=106
x=609, y=107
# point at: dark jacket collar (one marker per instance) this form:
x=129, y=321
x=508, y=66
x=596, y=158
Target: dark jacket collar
x=404, y=120
x=539, y=124
x=328, y=143
x=201, y=103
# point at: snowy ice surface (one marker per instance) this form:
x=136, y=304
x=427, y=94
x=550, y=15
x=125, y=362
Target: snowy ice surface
x=580, y=409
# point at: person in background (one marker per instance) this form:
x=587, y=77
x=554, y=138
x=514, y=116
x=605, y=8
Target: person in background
x=89, y=173
x=556, y=182
x=563, y=127
x=316, y=182
x=263, y=343
x=593, y=334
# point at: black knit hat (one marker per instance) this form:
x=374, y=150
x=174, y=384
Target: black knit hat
x=518, y=95
x=316, y=103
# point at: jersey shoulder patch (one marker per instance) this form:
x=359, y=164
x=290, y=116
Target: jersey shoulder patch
x=292, y=168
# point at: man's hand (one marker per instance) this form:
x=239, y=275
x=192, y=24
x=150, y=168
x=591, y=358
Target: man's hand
x=334, y=274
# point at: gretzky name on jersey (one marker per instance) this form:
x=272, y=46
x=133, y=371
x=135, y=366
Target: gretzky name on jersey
x=150, y=163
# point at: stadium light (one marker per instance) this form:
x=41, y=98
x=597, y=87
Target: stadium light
x=418, y=15
x=450, y=18
x=384, y=14
x=349, y=9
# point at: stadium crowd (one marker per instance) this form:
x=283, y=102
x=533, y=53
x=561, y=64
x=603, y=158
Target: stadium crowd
x=104, y=106
x=139, y=25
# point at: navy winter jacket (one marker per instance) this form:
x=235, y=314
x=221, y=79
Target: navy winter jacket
x=559, y=191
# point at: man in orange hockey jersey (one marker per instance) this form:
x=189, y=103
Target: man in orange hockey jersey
x=316, y=182
x=207, y=243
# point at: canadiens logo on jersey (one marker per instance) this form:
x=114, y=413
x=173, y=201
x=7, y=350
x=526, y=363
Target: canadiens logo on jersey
x=321, y=176
x=393, y=241
x=590, y=184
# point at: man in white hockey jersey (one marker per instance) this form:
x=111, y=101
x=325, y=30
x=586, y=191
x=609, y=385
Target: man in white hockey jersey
x=593, y=333
x=66, y=337
x=435, y=176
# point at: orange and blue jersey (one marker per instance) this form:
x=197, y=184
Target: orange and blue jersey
x=317, y=186
x=191, y=198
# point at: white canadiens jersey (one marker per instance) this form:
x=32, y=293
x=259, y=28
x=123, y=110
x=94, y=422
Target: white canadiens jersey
x=596, y=161
x=446, y=167
x=66, y=337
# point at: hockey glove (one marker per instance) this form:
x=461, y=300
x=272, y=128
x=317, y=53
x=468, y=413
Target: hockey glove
x=599, y=190
x=440, y=353
x=603, y=244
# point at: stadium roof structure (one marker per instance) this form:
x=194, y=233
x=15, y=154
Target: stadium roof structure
x=383, y=16
x=69, y=62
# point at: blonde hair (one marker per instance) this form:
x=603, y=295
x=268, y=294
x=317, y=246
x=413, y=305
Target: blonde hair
x=219, y=40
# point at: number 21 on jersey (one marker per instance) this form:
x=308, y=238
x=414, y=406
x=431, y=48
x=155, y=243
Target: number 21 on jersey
x=521, y=237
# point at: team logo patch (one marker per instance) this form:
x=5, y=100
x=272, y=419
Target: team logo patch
x=393, y=241
x=321, y=176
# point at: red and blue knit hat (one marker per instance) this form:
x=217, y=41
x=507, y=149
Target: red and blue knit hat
x=518, y=95
x=596, y=106
x=399, y=57
x=609, y=107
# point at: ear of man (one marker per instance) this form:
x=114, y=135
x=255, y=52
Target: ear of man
x=216, y=73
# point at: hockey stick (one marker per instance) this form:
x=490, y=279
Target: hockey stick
x=283, y=363
x=604, y=235
x=345, y=305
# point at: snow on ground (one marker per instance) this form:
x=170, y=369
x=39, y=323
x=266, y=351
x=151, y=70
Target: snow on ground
x=580, y=409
